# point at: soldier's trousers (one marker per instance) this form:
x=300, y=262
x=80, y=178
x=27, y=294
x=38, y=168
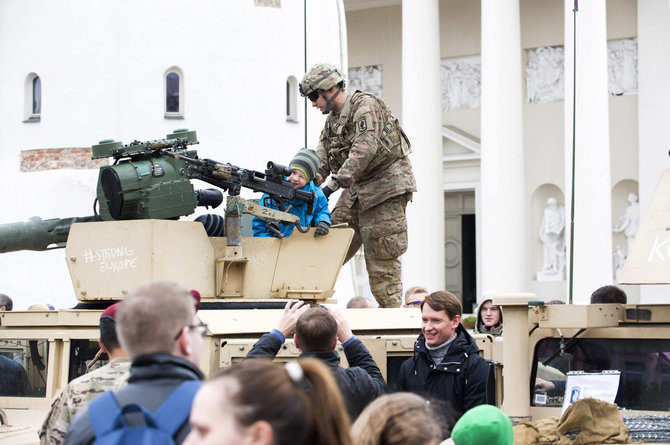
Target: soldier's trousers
x=382, y=230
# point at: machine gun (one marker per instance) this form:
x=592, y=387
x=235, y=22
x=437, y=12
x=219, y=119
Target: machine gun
x=152, y=180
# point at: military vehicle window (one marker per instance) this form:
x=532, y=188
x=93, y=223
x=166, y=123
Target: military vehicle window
x=393, y=364
x=85, y=356
x=23, y=367
x=644, y=366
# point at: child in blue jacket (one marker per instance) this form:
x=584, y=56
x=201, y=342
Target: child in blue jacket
x=304, y=166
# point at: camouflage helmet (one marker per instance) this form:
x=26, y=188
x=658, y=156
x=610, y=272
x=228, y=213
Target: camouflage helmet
x=321, y=76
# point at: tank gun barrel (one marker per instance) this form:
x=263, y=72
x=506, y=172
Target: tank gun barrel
x=38, y=234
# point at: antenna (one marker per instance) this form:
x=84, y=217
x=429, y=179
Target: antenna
x=304, y=18
x=572, y=190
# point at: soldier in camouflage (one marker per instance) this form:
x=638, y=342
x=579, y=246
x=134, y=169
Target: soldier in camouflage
x=364, y=150
x=85, y=388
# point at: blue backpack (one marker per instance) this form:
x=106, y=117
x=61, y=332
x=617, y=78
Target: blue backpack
x=111, y=427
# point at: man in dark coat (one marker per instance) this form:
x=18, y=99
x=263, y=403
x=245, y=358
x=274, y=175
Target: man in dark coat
x=446, y=364
x=316, y=332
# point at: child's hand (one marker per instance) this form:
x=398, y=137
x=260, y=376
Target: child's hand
x=322, y=228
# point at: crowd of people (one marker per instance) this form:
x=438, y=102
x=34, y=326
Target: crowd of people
x=152, y=386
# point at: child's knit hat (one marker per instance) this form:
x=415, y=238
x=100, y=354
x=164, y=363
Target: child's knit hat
x=307, y=161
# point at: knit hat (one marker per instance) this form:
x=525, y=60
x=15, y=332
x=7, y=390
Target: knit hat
x=307, y=161
x=483, y=425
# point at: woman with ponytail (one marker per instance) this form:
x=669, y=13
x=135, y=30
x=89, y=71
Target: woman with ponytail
x=266, y=403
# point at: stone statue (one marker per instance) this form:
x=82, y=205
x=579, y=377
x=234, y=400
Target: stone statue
x=552, y=235
x=619, y=260
x=630, y=221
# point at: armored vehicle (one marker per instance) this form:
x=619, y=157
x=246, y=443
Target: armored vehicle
x=245, y=281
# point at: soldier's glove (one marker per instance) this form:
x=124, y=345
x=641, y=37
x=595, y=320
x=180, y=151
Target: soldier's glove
x=326, y=191
x=322, y=228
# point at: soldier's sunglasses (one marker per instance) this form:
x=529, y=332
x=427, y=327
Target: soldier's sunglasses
x=313, y=96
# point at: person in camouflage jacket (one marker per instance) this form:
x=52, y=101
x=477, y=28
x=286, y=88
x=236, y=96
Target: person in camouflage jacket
x=364, y=151
x=87, y=387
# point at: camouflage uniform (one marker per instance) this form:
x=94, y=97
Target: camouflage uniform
x=77, y=394
x=366, y=151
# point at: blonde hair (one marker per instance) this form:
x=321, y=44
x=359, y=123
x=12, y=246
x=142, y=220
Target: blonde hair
x=415, y=290
x=400, y=418
x=302, y=409
x=148, y=319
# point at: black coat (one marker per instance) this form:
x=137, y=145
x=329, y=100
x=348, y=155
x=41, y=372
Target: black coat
x=360, y=384
x=459, y=379
x=14, y=380
x=152, y=379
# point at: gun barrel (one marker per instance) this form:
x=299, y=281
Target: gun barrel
x=37, y=234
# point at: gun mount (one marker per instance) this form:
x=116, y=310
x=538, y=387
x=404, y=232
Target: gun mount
x=135, y=234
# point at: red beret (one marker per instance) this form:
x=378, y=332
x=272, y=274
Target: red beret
x=110, y=312
x=196, y=297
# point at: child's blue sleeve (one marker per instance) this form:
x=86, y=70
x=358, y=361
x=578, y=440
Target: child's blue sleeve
x=257, y=224
x=258, y=227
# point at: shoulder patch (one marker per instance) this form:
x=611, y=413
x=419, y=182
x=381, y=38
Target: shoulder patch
x=363, y=123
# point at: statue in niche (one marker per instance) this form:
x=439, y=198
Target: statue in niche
x=630, y=222
x=619, y=261
x=552, y=235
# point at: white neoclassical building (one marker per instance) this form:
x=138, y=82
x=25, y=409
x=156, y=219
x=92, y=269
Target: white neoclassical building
x=486, y=90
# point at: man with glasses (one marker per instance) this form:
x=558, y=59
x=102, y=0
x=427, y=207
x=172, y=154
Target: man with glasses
x=158, y=328
x=364, y=151
x=414, y=296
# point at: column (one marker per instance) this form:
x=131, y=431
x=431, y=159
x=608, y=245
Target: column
x=592, y=258
x=653, y=30
x=502, y=215
x=422, y=121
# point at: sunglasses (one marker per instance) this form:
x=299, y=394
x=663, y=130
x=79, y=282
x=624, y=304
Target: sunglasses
x=313, y=96
x=414, y=303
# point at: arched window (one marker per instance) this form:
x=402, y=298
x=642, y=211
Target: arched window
x=291, y=99
x=174, y=93
x=32, y=98
x=37, y=95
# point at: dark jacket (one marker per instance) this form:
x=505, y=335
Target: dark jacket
x=152, y=379
x=459, y=379
x=14, y=380
x=360, y=384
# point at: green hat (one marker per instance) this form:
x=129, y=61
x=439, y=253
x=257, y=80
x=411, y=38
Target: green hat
x=483, y=425
x=307, y=161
